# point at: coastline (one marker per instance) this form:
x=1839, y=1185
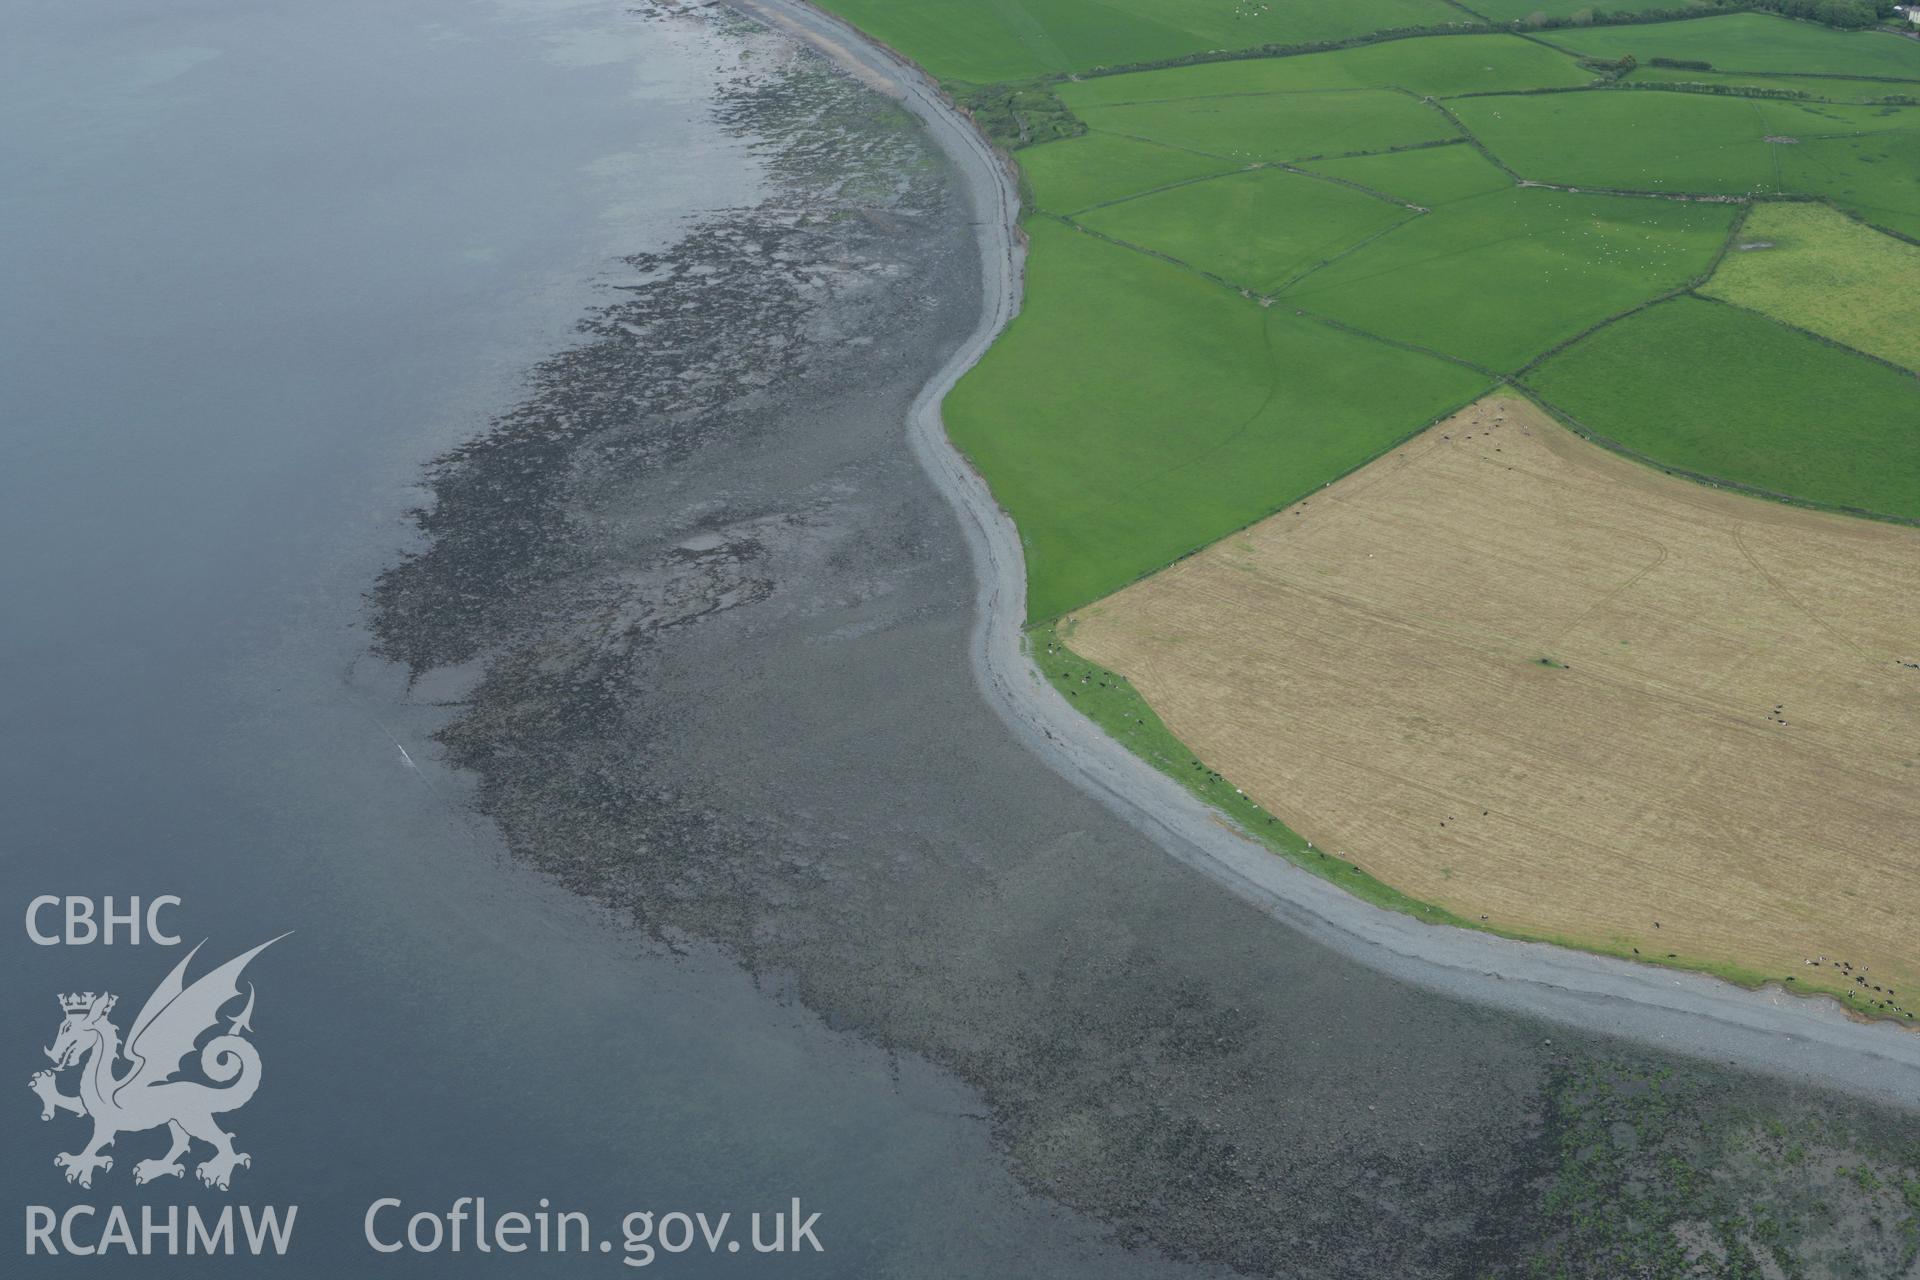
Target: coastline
x=1811, y=1039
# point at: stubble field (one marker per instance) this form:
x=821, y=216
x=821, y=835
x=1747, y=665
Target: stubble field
x=1521, y=678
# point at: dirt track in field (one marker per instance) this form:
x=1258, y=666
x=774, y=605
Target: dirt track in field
x=1731, y=746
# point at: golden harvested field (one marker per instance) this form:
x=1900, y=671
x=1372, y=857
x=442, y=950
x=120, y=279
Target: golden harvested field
x=1729, y=747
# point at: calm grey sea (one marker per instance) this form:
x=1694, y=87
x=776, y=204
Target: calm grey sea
x=260, y=263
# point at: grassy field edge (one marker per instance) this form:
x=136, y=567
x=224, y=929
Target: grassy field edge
x=1701, y=478
x=1375, y=456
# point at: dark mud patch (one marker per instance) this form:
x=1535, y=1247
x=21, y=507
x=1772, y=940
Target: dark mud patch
x=713, y=624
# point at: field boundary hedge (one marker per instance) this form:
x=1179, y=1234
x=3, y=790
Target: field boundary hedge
x=1721, y=90
x=1362, y=187
x=1726, y=246
x=1256, y=53
x=1138, y=195
x=1665, y=86
x=1244, y=291
x=1371, y=458
x=1870, y=225
x=1397, y=149
x=1254, y=293
x=1821, y=338
x=1596, y=327
x=1588, y=434
x=1283, y=166
x=1521, y=180
x=1814, y=75
x=1658, y=17
x=1353, y=248
x=1719, y=256
x=1901, y=236
x=1474, y=139
x=1414, y=348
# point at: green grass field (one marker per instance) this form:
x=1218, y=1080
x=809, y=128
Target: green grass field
x=1134, y=412
x=1630, y=141
x=1874, y=175
x=1865, y=158
x=1258, y=229
x=1752, y=42
x=1096, y=168
x=1501, y=278
x=1521, y=10
x=990, y=41
x=1725, y=393
x=1434, y=65
x=1825, y=272
x=1278, y=126
x=1430, y=176
x=1832, y=88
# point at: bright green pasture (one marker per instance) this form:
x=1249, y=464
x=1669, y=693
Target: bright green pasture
x=1725, y=393
x=1818, y=269
x=1134, y=412
x=1752, y=42
x=1095, y=168
x=1429, y=176
x=1278, y=126
x=1137, y=410
x=989, y=41
x=1864, y=158
x=1814, y=120
x=1630, y=141
x=1874, y=175
x=1430, y=65
x=1257, y=229
x=1830, y=87
x=1503, y=277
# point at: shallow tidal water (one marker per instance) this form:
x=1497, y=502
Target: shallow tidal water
x=261, y=266
x=646, y=843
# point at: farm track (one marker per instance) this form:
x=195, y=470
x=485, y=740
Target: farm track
x=1807, y=1039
